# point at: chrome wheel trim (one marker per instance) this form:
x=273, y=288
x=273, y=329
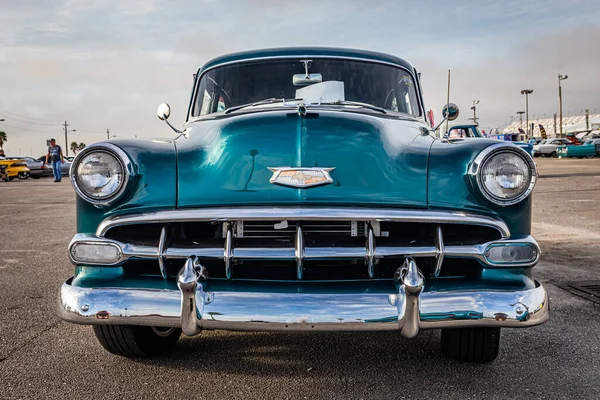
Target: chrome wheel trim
x=161, y=331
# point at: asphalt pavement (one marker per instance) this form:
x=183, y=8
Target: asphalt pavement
x=42, y=357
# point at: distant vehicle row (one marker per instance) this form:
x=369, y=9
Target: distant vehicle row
x=29, y=167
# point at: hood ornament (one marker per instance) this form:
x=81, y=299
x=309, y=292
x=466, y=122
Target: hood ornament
x=301, y=177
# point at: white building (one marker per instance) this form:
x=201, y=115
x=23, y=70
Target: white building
x=570, y=124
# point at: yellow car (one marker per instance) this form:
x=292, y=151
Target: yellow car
x=13, y=168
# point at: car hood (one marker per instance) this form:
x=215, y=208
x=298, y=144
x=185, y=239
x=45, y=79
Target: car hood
x=377, y=160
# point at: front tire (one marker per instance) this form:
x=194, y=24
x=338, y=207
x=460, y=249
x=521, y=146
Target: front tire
x=554, y=154
x=136, y=341
x=471, y=344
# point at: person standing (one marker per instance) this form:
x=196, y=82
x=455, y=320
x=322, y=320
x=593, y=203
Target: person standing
x=56, y=154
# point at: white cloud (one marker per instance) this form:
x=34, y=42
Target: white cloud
x=107, y=64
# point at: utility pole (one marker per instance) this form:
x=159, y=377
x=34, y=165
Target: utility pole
x=108, y=134
x=561, y=78
x=67, y=138
x=527, y=92
x=521, y=116
x=555, y=131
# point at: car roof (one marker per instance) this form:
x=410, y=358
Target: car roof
x=305, y=52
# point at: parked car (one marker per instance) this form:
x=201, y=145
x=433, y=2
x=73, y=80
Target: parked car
x=550, y=147
x=65, y=166
x=38, y=169
x=473, y=131
x=589, y=149
x=306, y=192
x=15, y=168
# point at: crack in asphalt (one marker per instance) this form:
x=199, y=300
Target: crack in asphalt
x=15, y=350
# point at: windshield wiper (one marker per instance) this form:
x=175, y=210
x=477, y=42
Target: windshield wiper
x=359, y=104
x=258, y=103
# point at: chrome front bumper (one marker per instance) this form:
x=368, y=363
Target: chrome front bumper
x=408, y=309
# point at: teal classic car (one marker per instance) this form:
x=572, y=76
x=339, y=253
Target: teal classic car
x=589, y=149
x=473, y=131
x=305, y=192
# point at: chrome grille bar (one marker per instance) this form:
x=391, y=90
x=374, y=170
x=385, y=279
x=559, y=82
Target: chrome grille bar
x=370, y=257
x=223, y=214
x=161, y=251
x=439, y=250
x=228, y=251
x=299, y=251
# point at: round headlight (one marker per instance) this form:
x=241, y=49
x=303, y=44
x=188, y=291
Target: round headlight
x=505, y=174
x=99, y=175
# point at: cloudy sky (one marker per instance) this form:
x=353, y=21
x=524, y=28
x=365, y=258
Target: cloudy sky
x=108, y=64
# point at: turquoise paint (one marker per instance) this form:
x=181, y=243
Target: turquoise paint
x=152, y=186
x=378, y=161
x=584, y=150
x=450, y=187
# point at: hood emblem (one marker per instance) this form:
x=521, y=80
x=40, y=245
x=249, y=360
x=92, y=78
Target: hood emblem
x=301, y=177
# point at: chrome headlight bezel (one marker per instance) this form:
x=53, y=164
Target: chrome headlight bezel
x=485, y=155
x=121, y=158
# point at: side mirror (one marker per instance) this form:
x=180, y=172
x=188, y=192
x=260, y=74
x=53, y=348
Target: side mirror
x=163, y=112
x=450, y=112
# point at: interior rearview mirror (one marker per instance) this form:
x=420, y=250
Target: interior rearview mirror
x=163, y=112
x=306, y=79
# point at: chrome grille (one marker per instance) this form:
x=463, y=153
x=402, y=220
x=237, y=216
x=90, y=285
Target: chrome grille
x=308, y=240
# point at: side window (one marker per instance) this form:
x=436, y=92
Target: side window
x=206, y=103
x=408, y=96
x=458, y=133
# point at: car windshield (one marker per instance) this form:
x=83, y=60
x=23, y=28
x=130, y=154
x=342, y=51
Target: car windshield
x=543, y=141
x=331, y=81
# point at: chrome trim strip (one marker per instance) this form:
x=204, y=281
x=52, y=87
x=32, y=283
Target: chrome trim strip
x=310, y=253
x=439, y=250
x=370, y=251
x=161, y=252
x=224, y=214
x=299, y=252
x=272, y=311
x=228, y=252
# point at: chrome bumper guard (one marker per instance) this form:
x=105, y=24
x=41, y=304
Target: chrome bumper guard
x=407, y=310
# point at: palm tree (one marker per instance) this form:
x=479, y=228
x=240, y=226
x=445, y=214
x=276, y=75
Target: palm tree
x=2, y=139
x=81, y=146
x=74, y=147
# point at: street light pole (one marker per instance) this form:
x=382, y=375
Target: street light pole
x=474, y=111
x=560, y=78
x=521, y=116
x=527, y=92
